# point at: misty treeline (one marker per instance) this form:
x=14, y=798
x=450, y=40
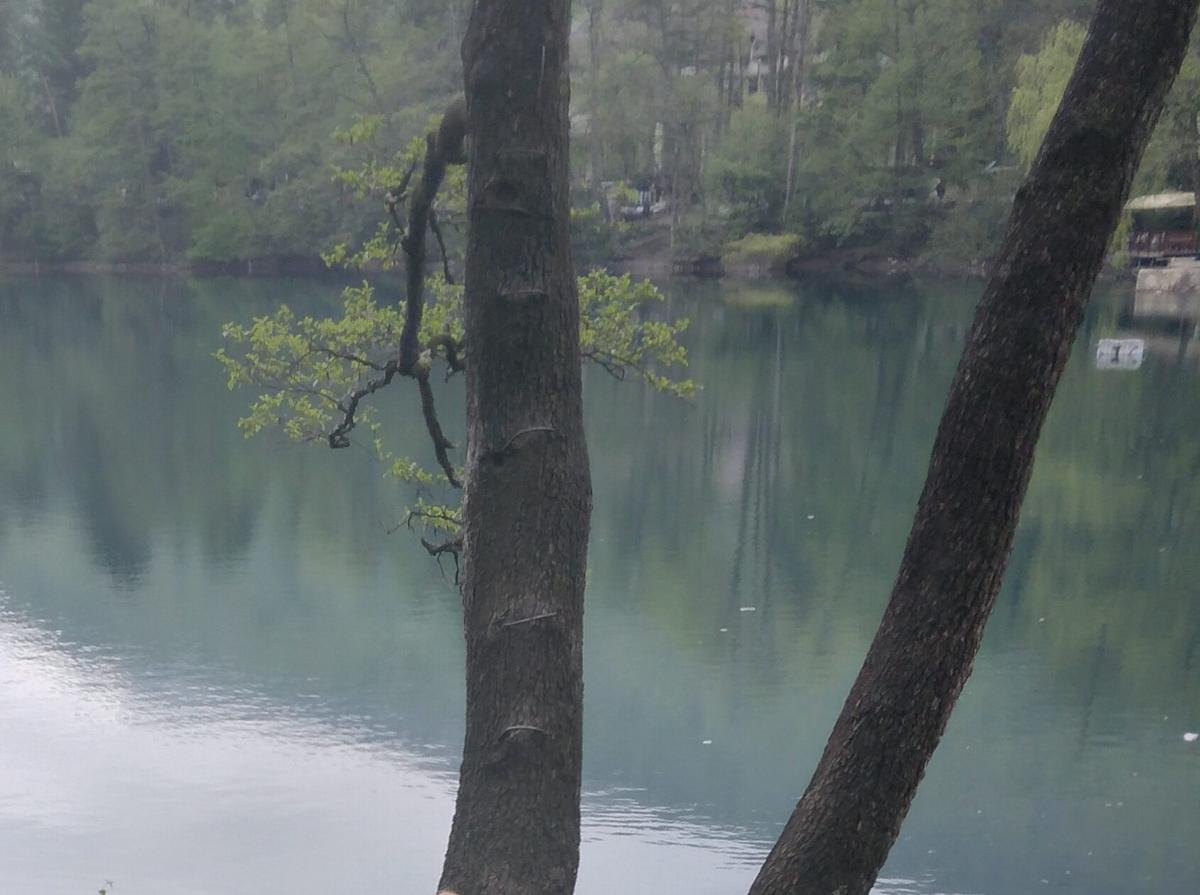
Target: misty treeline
x=211, y=130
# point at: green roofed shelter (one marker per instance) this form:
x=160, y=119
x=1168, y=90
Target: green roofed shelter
x=1164, y=227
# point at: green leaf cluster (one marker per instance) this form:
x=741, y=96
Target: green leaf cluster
x=306, y=369
x=615, y=333
x=1041, y=81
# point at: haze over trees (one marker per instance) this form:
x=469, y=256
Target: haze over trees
x=204, y=131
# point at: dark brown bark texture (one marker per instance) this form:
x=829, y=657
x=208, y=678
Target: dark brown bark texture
x=528, y=492
x=847, y=820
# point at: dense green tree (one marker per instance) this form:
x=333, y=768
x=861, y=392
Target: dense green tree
x=203, y=130
x=1173, y=157
x=19, y=148
x=1041, y=79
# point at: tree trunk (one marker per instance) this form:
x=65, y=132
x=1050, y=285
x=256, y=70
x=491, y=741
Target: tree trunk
x=528, y=492
x=796, y=102
x=845, y=823
x=595, y=9
x=49, y=93
x=787, y=56
x=772, y=53
x=898, y=147
x=781, y=52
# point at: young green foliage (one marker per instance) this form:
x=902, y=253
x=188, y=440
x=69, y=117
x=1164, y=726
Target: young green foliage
x=387, y=180
x=1041, y=81
x=308, y=368
x=317, y=376
x=613, y=335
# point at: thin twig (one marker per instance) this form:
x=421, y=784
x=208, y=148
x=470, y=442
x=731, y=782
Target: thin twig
x=413, y=244
x=396, y=195
x=351, y=358
x=615, y=365
x=338, y=438
x=453, y=547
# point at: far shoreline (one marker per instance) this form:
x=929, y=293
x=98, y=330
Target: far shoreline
x=657, y=266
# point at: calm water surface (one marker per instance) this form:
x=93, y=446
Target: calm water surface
x=220, y=674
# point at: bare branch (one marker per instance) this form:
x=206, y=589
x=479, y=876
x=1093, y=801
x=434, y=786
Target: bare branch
x=396, y=195
x=441, y=443
x=613, y=364
x=338, y=438
x=453, y=547
x=351, y=358
x=438, y=154
x=613, y=368
x=445, y=147
x=413, y=244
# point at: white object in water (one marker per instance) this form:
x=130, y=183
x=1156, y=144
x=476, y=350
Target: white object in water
x=1190, y=737
x=1120, y=354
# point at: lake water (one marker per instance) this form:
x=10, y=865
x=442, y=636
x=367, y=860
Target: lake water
x=219, y=672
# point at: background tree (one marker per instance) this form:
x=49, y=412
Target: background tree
x=1041, y=80
x=843, y=827
x=19, y=146
x=834, y=123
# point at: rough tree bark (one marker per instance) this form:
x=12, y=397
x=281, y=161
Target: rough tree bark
x=528, y=492
x=848, y=818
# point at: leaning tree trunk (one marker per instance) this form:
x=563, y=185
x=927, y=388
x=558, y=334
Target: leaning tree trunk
x=528, y=493
x=841, y=831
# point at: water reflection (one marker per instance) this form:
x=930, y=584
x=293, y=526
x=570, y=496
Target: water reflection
x=218, y=673
x=1168, y=322
x=193, y=788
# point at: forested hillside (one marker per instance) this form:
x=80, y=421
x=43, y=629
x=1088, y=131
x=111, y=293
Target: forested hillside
x=212, y=130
